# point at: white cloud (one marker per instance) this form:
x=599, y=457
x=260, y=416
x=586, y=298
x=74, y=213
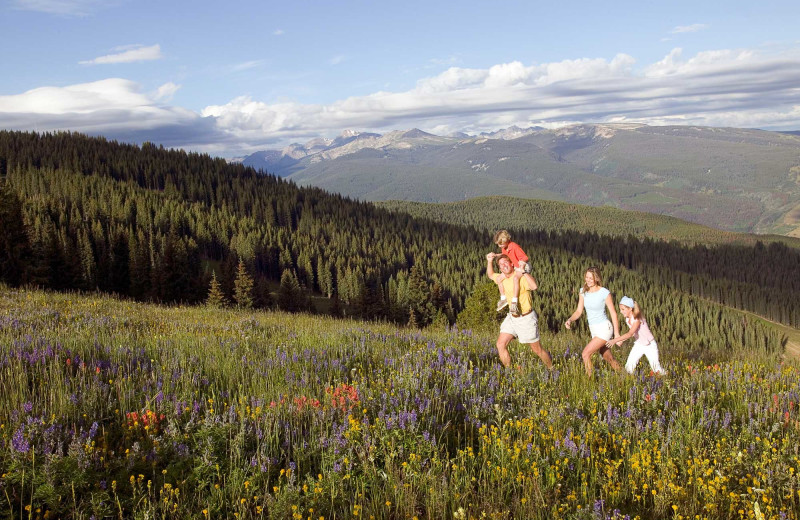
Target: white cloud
x=722, y=87
x=337, y=59
x=689, y=28
x=101, y=106
x=277, y=32
x=166, y=91
x=60, y=7
x=708, y=88
x=129, y=55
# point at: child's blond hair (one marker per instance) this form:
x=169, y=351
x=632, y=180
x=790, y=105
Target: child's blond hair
x=502, y=236
x=638, y=315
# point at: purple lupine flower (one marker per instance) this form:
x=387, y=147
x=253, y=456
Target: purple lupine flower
x=598, y=508
x=727, y=420
x=19, y=443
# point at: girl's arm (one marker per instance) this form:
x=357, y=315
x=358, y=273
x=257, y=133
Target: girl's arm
x=613, y=313
x=634, y=327
x=575, y=315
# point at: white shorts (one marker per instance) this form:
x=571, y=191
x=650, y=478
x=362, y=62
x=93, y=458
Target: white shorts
x=525, y=328
x=602, y=330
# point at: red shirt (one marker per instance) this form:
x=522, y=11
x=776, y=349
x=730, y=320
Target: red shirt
x=515, y=253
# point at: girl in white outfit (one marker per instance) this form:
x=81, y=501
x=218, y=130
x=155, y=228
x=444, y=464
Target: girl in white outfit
x=596, y=299
x=644, y=344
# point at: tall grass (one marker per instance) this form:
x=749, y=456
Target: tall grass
x=112, y=409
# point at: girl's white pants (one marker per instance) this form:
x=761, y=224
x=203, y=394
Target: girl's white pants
x=641, y=349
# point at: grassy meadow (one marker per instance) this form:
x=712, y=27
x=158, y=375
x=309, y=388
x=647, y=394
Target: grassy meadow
x=114, y=409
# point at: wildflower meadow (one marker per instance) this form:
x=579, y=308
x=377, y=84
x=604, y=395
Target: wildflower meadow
x=114, y=409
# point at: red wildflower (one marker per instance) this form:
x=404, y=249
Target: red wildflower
x=343, y=397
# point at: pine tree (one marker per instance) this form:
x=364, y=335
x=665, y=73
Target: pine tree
x=479, y=310
x=419, y=297
x=215, y=296
x=262, y=297
x=15, y=248
x=289, y=293
x=243, y=287
x=412, y=318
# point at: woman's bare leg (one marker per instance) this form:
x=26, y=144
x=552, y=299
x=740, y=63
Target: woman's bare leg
x=589, y=350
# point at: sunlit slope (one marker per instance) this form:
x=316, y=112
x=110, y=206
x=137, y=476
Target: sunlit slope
x=492, y=213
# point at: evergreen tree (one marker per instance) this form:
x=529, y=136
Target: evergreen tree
x=419, y=297
x=15, y=251
x=262, y=296
x=289, y=294
x=412, y=318
x=140, y=267
x=215, y=296
x=88, y=264
x=243, y=287
x=119, y=275
x=479, y=311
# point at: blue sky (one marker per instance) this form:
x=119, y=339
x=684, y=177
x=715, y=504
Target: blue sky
x=234, y=77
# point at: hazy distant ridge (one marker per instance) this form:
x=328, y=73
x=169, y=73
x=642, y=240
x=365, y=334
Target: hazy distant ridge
x=729, y=178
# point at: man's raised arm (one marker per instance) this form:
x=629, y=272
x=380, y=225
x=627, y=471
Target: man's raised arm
x=490, y=265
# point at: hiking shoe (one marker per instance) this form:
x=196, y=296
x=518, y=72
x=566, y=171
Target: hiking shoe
x=513, y=308
x=500, y=304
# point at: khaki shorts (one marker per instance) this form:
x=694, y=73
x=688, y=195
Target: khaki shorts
x=525, y=328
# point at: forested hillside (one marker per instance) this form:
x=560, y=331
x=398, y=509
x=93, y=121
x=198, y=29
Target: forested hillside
x=730, y=178
x=491, y=213
x=152, y=224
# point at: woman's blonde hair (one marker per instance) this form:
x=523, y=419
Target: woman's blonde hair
x=598, y=280
x=502, y=235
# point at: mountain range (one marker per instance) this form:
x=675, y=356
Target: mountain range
x=728, y=178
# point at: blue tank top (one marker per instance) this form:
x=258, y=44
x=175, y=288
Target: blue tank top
x=595, y=305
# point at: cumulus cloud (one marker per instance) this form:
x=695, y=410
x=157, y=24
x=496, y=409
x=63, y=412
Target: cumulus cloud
x=695, y=27
x=716, y=88
x=707, y=88
x=129, y=54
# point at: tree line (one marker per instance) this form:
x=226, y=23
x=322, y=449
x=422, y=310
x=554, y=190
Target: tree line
x=162, y=225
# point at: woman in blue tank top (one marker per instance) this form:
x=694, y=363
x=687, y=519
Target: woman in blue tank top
x=596, y=299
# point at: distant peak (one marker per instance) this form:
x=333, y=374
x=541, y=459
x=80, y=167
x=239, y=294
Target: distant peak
x=416, y=132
